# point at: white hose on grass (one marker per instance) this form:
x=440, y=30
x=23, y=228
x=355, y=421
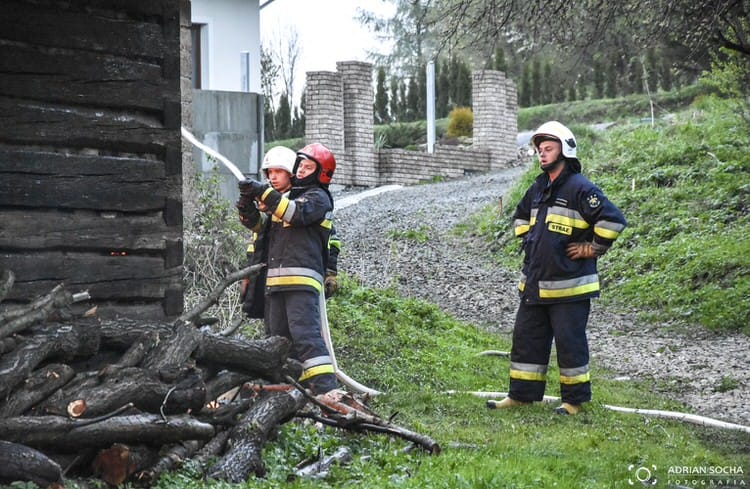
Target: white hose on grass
x=326, y=333
x=656, y=413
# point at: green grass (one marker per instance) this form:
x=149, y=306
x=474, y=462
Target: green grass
x=684, y=187
x=684, y=256
x=413, y=352
x=632, y=107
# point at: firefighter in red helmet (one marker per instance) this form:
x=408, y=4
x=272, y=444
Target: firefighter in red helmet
x=297, y=250
x=566, y=223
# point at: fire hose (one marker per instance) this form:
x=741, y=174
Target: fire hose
x=324, y=328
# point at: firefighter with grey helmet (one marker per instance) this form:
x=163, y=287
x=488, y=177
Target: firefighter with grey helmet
x=565, y=223
x=297, y=232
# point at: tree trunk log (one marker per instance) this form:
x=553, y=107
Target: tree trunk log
x=223, y=383
x=212, y=449
x=258, y=358
x=248, y=437
x=38, y=310
x=60, y=433
x=263, y=358
x=135, y=385
x=65, y=341
x=174, y=350
x=134, y=355
x=37, y=388
x=22, y=463
x=170, y=459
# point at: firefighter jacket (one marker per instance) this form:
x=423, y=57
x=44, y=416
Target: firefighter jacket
x=548, y=217
x=293, y=239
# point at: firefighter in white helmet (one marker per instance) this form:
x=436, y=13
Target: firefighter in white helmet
x=566, y=223
x=278, y=169
x=296, y=229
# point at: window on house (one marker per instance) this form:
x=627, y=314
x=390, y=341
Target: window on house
x=197, y=57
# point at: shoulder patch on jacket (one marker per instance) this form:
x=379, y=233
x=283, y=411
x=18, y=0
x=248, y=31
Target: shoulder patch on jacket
x=593, y=200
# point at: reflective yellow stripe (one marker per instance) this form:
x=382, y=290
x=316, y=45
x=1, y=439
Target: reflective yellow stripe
x=606, y=233
x=326, y=223
x=281, y=208
x=251, y=248
x=566, y=221
x=523, y=229
x=521, y=375
x=568, y=292
x=293, y=280
x=313, y=371
x=266, y=192
x=577, y=379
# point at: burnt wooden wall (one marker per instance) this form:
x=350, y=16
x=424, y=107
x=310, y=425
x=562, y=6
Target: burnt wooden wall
x=90, y=153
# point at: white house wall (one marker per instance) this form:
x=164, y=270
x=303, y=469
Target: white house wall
x=232, y=26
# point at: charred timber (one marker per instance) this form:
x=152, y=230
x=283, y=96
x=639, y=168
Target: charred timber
x=61, y=433
x=61, y=341
x=136, y=385
x=37, y=387
x=262, y=358
x=243, y=458
x=22, y=463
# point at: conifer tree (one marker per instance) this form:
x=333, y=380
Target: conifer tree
x=598, y=74
x=393, y=104
x=422, y=92
x=412, y=100
x=524, y=90
x=536, y=82
x=381, y=99
x=463, y=81
x=610, y=89
x=442, y=91
x=548, y=94
x=283, y=118
x=402, y=106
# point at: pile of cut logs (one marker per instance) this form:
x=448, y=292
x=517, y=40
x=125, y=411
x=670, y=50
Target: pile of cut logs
x=126, y=401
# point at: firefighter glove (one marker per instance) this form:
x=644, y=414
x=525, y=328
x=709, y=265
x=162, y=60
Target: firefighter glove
x=252, y=188
x=583, y=250
x=245, y=205
x=249, y=214
x=331, y=285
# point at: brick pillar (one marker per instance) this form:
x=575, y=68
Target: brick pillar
x=488, y=102
x=324, y=112
x=360, y=163
x=511, y=116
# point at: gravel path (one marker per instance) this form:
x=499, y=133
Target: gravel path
x=458, y=274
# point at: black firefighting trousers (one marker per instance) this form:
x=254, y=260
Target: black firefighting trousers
x=535, y=328
x=296, y=315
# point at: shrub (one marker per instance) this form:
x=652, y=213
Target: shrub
x=460, y=122
x=401, y=134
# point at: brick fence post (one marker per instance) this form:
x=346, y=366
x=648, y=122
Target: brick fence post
x=360, y=166
x=324, y=111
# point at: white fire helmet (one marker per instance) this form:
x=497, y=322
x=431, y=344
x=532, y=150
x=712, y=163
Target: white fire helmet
x=279, y=157
x=555, y=130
